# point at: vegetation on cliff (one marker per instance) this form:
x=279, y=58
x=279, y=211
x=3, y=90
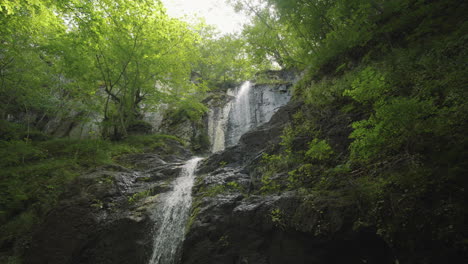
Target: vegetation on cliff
x=384, y=115
x=102, y=63
x=382, y=119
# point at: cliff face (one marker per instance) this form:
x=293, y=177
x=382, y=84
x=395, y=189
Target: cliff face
x=108, y=215
x=245, y=107
x=232, y=223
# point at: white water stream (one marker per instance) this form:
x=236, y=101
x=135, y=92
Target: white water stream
x=173, y=217
x=240, y=117
x=249, y=109
x=252, y=106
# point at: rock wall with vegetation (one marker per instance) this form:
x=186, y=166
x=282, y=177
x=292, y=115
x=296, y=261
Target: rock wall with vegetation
x=373, y=151
x=366, y=164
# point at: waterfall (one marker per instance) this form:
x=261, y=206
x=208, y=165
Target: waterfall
x=240, y=116
x=248, y=109
x=217, y=121
x=173, y=217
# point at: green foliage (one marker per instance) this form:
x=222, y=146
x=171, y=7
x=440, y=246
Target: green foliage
x=276, y=161
x=385, y=85
x=31, y=189
x=214, y=190
x=13, y=131
x=270, y=42
x=319, y=150
x=272, y=165
x=223, y=241
x=190, y=109
x=98, y=204
x=193, y=216
x=17, y=152
x=394, y=70
x=369, y=190
x=277, y=217
x=269, y=185
x=394, y=128
x=141, y=48
x=139, y=196
x=304, y=173
x=34, y=174
x=368, y=87
x=287, y=139
x=233, y=185
x=223, y=59
x=72, y=59
x=86, y=152
x=325, y=92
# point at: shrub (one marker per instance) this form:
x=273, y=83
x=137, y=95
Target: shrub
x=369, y=86
x=318, y=150
x=16, y=152
x=394, y=126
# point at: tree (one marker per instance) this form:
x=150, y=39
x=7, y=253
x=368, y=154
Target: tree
x=222, y=58
x=138, y=51
x=31, y=80
x=269, y=40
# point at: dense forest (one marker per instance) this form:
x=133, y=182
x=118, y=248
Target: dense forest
x=379, y=121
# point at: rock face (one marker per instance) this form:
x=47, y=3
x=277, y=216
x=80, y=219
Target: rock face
x=217, y=119
x=106, y=216
x=231, y=224
x=253, y=106
x=245, y=107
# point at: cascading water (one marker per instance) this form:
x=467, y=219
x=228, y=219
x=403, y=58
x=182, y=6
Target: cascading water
x=217, y=122
x=240, y=117
x=249, y=109
x=173, y=217
x=226, y=124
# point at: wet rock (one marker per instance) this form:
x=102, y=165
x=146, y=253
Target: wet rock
x=236, y=110
x=231, y=228
x=106, y=215
x=252, y=144
x=230, y=224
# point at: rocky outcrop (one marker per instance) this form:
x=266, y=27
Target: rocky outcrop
x=278, y=229
x=253, y=143
x=106, y=215
x=231, y=114
x=219, y=106
x=232, y=223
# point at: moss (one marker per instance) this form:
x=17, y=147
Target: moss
x=223, y=241
x=139, y=196
x=144, y=179
x=213, y=190
x=191, y=220
x=35, y=173
x=221, y=188
x=277, y=217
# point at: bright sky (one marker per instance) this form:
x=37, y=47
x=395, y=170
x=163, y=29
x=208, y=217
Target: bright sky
x=215, y=12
